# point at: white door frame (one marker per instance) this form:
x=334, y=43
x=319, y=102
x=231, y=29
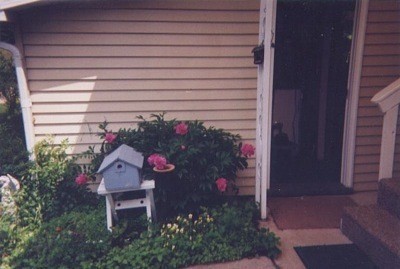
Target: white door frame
x=265, y=94
x=264, y=103
x=353, y=88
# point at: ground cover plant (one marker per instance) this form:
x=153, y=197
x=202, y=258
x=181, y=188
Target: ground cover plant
x=221, y=234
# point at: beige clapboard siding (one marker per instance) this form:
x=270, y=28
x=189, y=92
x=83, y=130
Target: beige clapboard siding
x=139, y=15
x=381, y=60
x=382, y=49
x=159, y=84
x=207, y=5
x=210, y=116
x=118, y=62
x=141, y=27
x=136, y=51
x=371, y=121
x=87, y=128
x=222, y=94
x=147, y=74
x=367, y=91
x=383, y=16
x=366, y=186
x=107, y=107
x=245, y=128
x=381, y=70
x=387, y=39
x=91, y=62
x=87, y=139
x=138, y=39
x=381, y=66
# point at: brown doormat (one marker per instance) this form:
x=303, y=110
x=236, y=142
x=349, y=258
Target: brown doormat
x=308, y=212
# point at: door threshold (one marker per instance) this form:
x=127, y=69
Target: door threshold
x=292, y=189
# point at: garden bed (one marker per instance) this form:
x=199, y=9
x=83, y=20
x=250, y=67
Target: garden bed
x=59, y=223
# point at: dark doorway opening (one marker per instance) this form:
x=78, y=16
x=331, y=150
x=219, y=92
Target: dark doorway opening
x=312, y=51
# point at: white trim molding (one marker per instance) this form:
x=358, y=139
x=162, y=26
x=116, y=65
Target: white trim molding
x=388, y=97
x=26, y=104
x=353, y=88
x=264, y=103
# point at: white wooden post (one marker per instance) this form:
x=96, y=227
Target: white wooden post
x=388, y=100
x=388, y=143
x=259, y=120
x=264, y=104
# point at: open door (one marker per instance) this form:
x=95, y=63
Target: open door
x=313, y=42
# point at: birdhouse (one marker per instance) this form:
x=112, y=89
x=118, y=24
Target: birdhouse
x=121, y=169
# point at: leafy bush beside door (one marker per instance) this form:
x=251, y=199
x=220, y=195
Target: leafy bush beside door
x=201, y=156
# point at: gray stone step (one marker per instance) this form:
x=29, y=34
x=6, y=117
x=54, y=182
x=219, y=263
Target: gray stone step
x=389, y=196
x=376, y=232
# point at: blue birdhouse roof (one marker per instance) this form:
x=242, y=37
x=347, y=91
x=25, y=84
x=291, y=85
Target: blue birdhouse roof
x=122, y=153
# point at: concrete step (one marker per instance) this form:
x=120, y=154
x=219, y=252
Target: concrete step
x=376, y=232
x=389, y=196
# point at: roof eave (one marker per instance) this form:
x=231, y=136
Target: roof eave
x=6, y=16
x=18, y=3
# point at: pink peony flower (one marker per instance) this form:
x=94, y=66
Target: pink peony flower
x=151, y=158
x=181, y=128
x=183, y=147
x=222, y=184
x=160, y=162
x=248, y=150
x=157, y=160
x=110, y=137
x=82, y=179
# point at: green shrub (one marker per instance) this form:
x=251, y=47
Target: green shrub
x=8, y=84
x=49, y=189
x=201, y=156
x=12, y=241
x=13, y=155
x=69, y=241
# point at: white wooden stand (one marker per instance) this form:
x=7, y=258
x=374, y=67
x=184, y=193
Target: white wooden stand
x=112, y=206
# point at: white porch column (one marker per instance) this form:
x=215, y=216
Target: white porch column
x=264, y=103
x=388, y=143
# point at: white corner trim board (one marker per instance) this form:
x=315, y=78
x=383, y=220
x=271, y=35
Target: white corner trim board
x=26, y=104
